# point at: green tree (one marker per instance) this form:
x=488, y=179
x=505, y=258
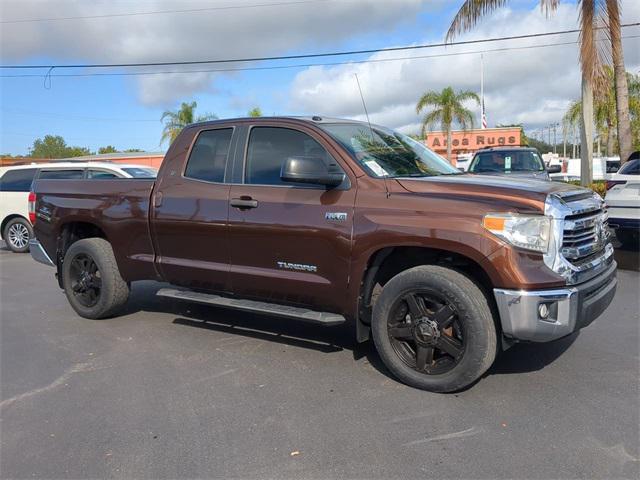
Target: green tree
x=131, y=150
x=634, y=109
x=55, y=147
x=622, y=101
x=107, y=149
x=605, y=112
x=593, y=14
x=175, y=121
x=446, y=108
x=255, y=112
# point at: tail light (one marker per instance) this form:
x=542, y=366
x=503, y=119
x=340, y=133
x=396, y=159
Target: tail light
x=32, y=207
x=612, y=183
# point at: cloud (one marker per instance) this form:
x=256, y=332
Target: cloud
x=239, y=32
x=532, y=86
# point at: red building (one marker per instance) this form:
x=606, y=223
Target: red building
x=468, y=142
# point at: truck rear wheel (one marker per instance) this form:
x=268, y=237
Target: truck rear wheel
x=91, y=279
x=433, y=329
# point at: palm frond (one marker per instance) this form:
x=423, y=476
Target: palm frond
x=464, y=118
x=428, y=99
x=594, y=54
x=470, y=14
x=430, y=120
x=548, y=6
x=206, y=117
x=464, y=95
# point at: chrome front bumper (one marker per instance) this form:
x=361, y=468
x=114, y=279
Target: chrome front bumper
x=570, y=309
x=39, y=254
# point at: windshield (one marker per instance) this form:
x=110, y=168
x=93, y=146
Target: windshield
x=507, y=162
x=385, y=153
x=139, y=172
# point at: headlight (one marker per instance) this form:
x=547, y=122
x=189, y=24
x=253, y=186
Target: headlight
x=530, y=232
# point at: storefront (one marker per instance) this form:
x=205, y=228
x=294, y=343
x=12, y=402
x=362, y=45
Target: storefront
x=468, y=142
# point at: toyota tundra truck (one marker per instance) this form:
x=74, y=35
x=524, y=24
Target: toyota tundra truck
x=339, y=222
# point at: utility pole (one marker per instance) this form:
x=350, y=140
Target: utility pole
x=555, y=138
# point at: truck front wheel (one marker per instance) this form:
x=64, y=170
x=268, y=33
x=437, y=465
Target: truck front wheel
x=433, y=329
x=91, y=279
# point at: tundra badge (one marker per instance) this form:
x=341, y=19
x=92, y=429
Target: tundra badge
x=297, y=266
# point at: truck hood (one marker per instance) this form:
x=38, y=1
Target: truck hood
x=508, y=192
x=543, y=175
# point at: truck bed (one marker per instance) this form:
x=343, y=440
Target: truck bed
x=120, y=206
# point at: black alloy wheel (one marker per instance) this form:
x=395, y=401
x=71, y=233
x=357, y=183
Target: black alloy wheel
x=426, y=333
x=86, y=280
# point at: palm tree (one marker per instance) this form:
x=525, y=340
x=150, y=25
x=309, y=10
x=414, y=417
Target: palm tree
x=447, y=108
x=605, y=109
x=255, y=112
x=593, y=15
x=620, y=78
x=175, y=121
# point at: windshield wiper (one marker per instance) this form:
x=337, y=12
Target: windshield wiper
x=413, y=175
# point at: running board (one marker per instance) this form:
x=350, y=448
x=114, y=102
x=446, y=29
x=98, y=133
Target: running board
x=311, y=316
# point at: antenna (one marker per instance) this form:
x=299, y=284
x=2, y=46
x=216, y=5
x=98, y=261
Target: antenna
x=364, y=105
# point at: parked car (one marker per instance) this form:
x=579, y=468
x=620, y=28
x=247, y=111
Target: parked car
x=623, y=199
x=603, y=168
x=333, y=222
x=520, y=162
x=15, y=184
x=463, y=161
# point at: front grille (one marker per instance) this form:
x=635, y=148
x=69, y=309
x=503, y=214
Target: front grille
x=584, y=235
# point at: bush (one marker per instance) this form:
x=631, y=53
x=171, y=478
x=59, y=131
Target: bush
x=599, y=186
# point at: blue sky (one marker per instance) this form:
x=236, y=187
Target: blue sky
x=125, y=111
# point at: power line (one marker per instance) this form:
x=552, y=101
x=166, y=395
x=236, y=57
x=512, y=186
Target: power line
x=78, y=117
x=303, y=65
x=162, y=12
x=301, y=56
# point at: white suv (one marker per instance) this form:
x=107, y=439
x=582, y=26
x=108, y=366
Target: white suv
x=623, y=199
x=15, y=184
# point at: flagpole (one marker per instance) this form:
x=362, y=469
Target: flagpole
x=481, y=91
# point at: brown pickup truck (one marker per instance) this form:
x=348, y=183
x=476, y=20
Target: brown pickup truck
x=332, y=221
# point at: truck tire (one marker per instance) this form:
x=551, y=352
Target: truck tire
x=91, y=279
x=17, y=233
x=433, y=329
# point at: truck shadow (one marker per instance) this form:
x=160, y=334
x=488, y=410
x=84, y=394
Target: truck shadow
x=531, y=357
x=520, y=358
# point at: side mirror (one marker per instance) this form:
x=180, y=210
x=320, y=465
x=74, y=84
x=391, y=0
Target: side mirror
x=309, y=169
x=554, y=169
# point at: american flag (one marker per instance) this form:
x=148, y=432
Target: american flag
x=484, y=116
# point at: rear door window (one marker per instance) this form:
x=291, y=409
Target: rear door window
x=208, y=158
x=18, y=180
x=61, y=174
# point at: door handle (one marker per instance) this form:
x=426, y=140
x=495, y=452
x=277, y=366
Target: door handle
x=244, y=203
x=157, y=199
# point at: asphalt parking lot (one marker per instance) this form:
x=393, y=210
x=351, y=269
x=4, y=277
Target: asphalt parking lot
x=172, y=390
